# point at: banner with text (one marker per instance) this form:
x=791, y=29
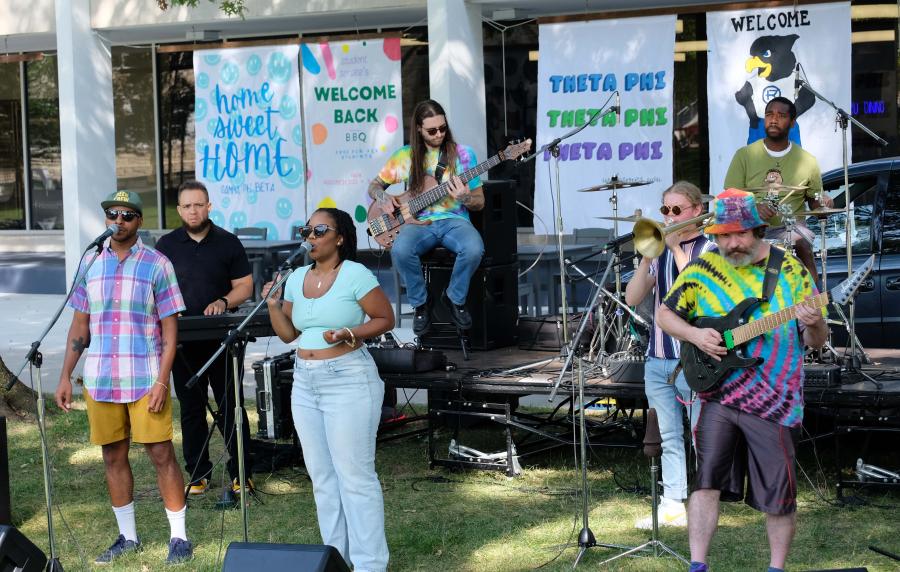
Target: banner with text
x=753, y=56
x=249, y=137
x=354, y=118
x=581, y=65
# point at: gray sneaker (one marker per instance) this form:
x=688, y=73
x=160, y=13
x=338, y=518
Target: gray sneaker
x=118, y=548
x=180, y=550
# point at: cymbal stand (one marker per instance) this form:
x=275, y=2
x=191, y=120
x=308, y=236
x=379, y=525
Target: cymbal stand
x=843, y=120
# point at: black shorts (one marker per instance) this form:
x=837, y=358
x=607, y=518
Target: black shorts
x=733, y=447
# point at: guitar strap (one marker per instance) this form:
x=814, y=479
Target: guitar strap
x=773, y=269
x=441, y=164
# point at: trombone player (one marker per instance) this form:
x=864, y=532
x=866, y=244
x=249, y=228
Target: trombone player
x=681, y=202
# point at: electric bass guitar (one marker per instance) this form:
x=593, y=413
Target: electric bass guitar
x=704, y=373
x=384, y=228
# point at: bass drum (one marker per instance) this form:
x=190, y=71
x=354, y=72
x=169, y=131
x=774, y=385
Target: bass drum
x=636, y=336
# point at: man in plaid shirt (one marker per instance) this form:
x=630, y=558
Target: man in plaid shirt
x=126, y=312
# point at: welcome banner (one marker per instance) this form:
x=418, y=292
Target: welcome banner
x=249, y=137
x=752, y=58
x=354, y=118
x=581, y=65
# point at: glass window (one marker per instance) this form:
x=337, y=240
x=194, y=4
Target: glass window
x=176, y=125
x=133, y=104
x=44, y=144
x=890, y=234
x=862, y=192
x=12, y=185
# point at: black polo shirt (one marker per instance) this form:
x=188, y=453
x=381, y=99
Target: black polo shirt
x=204, y=269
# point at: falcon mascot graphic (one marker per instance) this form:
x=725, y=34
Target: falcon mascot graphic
x=771, y=64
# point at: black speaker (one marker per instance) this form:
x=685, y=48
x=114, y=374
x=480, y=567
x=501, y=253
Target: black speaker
x=5, y=508
x=18, y=554
x=243, y=556
x=492, y=301
x=497, y=222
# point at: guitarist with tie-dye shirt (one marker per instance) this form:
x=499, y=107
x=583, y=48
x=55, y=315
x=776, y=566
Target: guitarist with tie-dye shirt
x=755, y=405
x=445, y=223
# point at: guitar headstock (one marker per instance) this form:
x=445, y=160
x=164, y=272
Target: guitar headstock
x=515, y=150
x=842, y=293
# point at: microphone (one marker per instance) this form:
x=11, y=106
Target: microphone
x=617, y=242
x=796, y=82
x=652, y=438
x=110, y=230
x=618, y=108
x=296, y=256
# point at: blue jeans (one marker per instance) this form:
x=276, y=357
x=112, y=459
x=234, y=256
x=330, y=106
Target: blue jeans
x=670, y=414
x=336, y=404
x=455, y=234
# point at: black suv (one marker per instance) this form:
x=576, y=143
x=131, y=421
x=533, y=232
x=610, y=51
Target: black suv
x=875, y=193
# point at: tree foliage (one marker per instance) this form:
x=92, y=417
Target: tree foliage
x=229, y=7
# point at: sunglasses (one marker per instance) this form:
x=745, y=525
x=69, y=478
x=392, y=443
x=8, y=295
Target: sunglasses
x=127, y=216
x=432, y=131
x=666, y=209
x=318, y=231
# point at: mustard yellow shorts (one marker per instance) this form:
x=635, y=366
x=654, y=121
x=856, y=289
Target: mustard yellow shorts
x=113, y=422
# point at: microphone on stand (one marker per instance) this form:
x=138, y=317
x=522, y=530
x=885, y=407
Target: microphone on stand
x=652, y=438
x=110, y=230
x=619, y=241
x=296, y=256
x=796, y=82
x=618, y=108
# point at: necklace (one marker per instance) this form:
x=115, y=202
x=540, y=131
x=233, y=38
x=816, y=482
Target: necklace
x=319, y=283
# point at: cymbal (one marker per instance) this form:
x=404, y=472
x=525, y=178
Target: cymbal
x=614, y=184
x=821, y=211
x=632, y=218
x=781, y=189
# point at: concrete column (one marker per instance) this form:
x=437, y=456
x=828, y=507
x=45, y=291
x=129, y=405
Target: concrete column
x=456, y=69
x=86, y=126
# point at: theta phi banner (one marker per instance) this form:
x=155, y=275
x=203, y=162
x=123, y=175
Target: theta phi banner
x=249, y=137
x=753, y=55
x=581, y=66
x=353, y=113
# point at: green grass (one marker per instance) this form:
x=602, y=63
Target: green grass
x=436, y=519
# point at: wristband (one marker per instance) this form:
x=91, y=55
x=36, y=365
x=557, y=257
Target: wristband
x=224, y=299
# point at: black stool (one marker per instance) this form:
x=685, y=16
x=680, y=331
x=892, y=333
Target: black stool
x=442, y=327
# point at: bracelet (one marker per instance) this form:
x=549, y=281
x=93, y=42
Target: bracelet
x=352, y=341
x=160, y=383
x=224, y=299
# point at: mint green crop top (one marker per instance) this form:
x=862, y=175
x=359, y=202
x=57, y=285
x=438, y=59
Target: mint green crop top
x=337, y=308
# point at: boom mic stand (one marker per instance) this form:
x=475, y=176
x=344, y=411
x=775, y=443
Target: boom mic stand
x=36, y=358
x=228, y=343
x=843, y=120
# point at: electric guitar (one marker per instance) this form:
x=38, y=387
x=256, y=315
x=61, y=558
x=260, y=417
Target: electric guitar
x=704, y=373
x=384, y=228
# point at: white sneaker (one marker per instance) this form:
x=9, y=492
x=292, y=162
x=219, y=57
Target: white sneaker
x=671, y=513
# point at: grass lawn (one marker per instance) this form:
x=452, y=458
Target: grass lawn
x=436, y=520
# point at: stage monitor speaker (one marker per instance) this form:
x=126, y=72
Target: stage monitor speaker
x=243, y=556
x=492, y=302
x=5, y=506
x=497, y=222
x=18, y=554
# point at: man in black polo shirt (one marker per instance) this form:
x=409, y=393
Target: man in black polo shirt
x=214, y=275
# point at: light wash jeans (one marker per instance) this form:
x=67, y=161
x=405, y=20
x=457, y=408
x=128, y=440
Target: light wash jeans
x=455, y=234
x=670, y=414
x=336, y=404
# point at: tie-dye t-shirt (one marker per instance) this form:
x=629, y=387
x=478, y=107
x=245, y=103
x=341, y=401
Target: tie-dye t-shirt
x=396, y=170
x=711, y=286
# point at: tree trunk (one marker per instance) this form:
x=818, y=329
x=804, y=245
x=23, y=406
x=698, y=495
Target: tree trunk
x=18, y=401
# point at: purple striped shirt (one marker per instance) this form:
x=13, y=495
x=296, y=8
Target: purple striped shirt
x=662, y=345
x=126, y=301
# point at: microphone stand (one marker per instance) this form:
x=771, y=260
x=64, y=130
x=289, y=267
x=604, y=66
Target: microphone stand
x=844, y=119
x=229, y=343
x=36, y=359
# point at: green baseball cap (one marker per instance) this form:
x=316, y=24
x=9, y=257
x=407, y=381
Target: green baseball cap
x=124, y=198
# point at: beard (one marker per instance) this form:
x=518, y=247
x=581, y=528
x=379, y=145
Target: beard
x=200, y=227
x=741, y=256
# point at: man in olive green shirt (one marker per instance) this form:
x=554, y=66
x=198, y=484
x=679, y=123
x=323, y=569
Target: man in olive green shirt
x=776, y=160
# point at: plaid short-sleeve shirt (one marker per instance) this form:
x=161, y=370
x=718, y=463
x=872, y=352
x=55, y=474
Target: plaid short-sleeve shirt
x=126, y=301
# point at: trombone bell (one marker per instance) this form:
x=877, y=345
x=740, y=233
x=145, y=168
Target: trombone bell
x=650, y=235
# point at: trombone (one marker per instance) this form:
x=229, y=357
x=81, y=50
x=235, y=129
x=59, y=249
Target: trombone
x=650, y=235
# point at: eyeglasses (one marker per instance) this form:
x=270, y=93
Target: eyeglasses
x=127, y=216
x=318, y=231
x=432, y=131
x=675, y=210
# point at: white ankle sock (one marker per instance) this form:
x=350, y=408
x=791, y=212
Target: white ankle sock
x=176, y=523
x=125, y=519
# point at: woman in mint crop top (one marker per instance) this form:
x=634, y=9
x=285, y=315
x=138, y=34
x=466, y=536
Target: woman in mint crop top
x=337, y=394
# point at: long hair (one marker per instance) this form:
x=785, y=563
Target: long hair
x=424, y=110
x=343, y=222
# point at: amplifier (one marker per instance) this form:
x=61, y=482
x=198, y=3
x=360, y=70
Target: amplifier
x=821, y=375
x=273, y=397
x=628, y=370
x=407, y=360
x=544, y=333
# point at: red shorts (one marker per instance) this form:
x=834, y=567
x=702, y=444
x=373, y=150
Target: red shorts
x=735, y=447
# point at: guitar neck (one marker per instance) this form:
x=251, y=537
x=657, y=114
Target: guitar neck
x=756, y=328
x=437, y=193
